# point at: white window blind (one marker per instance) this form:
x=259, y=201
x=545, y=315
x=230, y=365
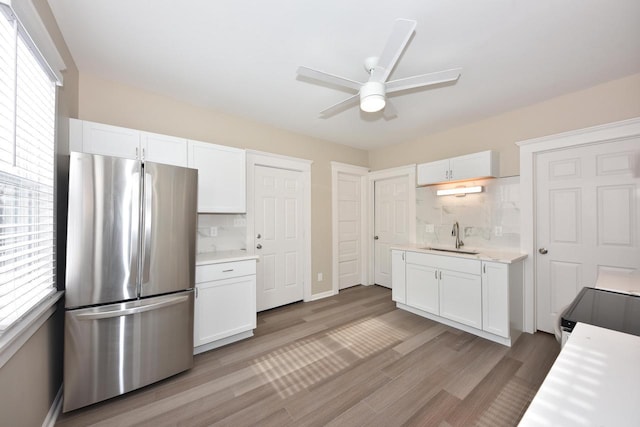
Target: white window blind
x=27, y=127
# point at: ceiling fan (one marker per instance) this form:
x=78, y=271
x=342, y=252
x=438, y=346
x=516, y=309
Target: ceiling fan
x=372, y=93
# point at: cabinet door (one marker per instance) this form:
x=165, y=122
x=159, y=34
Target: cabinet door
x=221, y=177
x=476, y=165
x=398, y=277
x=224, y=308
x=107, y=140
x=164, y=149
x=433, y=172
x=495, y=298
x=422, y=288
x=461, y=297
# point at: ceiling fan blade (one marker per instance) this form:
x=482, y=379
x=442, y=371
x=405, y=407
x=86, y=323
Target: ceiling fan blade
x=423, y=80
x=328, y=78
x=400, y=35
x=340, y=106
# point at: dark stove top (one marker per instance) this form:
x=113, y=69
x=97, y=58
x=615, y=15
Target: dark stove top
x=607, y=309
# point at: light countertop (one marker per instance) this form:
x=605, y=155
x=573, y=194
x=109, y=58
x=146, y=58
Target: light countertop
x=223, y=256
x=619, y=281
x=495, y=255
x=593, y=382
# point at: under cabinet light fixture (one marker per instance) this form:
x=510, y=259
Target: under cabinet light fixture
x=459, y=191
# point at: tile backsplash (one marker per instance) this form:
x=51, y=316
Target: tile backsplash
x=490, y=219
x=221, y=232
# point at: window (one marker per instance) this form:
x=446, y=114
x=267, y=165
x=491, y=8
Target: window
x=27, y=129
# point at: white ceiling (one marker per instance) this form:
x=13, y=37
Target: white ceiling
x=240, y=57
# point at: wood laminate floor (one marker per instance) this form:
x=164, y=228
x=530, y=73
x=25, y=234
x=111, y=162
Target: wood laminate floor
x=350, y=360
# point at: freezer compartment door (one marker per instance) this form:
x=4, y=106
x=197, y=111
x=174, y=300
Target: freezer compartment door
x=169, y=229
x=116, y=348
x=103, y=230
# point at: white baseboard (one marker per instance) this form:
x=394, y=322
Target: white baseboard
x=223, y=341
x=54, y=411
x=322, y=295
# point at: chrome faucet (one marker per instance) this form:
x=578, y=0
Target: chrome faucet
x=456, y=232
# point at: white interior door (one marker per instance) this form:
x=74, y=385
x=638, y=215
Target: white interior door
x=349, y=230
x=587, y=220
x=391, y=223
x=278, y=236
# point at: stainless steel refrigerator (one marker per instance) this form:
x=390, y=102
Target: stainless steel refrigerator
x=130, y=276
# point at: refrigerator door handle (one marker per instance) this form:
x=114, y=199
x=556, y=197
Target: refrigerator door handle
x=134, y=310
x=135, y=231
x=147, y=223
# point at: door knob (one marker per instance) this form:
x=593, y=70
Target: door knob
x=375, y=237
x=543, y=251
x=259, y=246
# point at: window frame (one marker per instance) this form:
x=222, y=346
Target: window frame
x=13, y=337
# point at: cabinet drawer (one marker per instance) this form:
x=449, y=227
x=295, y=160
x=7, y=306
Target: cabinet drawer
x=444, y=262
x=225, y=270
x=422, y=259
x=463, y=265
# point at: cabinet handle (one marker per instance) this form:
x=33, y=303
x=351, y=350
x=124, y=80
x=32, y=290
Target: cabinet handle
x=226, y=271
x=436, y=274
x=196, y=292
x=484, y=269
x=440, y=275
x=403, y=256
x=446, y=174
x=450, y=174
x=143, y=154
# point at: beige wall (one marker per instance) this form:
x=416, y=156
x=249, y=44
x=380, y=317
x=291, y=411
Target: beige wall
x=30, y=380
x=604, y=103
x=113, y=103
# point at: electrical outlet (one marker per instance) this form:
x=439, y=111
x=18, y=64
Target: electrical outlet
x=429, y=228
x=240, y=222
x=497, y=230
x=319, y=277
x=213, y=231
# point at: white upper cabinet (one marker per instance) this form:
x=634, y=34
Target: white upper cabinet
x=221, y=177
x=107, y=140
x=163, y=149
x=477, y=165
x=429, y=173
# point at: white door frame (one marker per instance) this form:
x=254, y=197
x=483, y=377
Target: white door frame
x=529, y=149
x=336, y=168
x=260, y=158
x=409, y=172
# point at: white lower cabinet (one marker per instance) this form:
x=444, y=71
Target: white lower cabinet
x=481, y=297
x=461, y=297
x=422, y=288
x=495, y=298
x=398, y=288
x=225, y=305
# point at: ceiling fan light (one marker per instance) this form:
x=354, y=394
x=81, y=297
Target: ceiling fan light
x=372, y=97
x=372, y=103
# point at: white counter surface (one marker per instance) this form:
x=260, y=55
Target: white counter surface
x=505, y=257
x=627, y=282
x=223, y=256
x=595, y=381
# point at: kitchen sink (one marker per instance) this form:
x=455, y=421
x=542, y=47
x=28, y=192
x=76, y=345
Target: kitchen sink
x=455, y=251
